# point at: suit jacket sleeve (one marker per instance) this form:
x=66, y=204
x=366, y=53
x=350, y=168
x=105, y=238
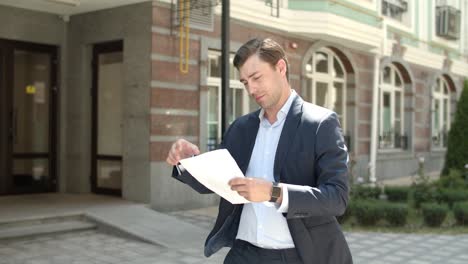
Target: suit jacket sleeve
x=188, y=179
x=330, y=196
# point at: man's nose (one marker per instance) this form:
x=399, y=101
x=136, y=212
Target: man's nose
x=251, y=89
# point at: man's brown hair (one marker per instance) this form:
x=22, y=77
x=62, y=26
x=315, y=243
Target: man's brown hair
x=267, y=50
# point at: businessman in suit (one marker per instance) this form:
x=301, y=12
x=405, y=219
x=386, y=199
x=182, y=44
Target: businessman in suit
x=295, y=161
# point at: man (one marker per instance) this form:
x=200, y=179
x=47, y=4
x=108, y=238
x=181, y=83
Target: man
x=295, y=162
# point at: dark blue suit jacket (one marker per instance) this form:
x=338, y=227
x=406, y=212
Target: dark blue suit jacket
x=312, y=156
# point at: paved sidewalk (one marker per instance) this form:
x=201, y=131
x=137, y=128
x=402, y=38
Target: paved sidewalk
x=379, y=248
x=102, y=246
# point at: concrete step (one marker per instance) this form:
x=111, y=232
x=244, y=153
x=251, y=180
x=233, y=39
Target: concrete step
x=42, y=226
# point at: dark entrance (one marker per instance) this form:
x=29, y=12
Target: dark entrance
x=28, y=114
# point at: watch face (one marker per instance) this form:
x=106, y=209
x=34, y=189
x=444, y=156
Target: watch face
x=276, y=192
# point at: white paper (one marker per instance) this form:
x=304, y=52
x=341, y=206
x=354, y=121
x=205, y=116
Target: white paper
x=40, y=95
x=214, y=169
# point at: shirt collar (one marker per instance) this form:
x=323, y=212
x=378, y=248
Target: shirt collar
x=283, y=112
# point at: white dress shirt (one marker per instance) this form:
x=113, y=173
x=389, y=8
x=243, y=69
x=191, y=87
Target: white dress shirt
x=263, y=224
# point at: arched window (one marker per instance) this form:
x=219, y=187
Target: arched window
x=391, y=109
x=440, y=113
x=326, y=82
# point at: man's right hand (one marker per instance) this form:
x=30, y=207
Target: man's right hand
x=181, y=149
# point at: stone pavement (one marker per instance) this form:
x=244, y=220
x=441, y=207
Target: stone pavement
x=379, y=248
x=104, y=246
x=94, y=247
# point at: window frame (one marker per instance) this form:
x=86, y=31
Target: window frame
x=440, y=96
x=234, y=84
x=315, y=77
x=391, y=88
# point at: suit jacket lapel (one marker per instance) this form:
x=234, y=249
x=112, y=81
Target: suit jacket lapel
x=287, y=135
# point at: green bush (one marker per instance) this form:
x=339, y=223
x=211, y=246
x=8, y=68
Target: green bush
x=454, y=180
x=365, y=192
x=451, y=196
x=397, y=193
x=424, y=194
x=368, y=212
x=395, y=213
x=460, y=210
x=434, y=214
x=457, y=145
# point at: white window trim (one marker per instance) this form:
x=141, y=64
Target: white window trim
x=440, y=96
x=392, y=89
x=330, y=80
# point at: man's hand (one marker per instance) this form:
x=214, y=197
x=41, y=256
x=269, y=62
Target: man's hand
x=181, y=149
x=253, y=189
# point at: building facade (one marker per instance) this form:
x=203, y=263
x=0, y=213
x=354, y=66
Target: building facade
x=131, y=79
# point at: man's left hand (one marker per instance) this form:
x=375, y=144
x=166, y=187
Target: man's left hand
x=252, y=189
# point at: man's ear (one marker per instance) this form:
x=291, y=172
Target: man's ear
x=281, y=65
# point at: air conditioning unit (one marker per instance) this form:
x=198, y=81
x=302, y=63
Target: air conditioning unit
x=394, y=8
x=401, y=5
x=448, y=22
x=201, y=14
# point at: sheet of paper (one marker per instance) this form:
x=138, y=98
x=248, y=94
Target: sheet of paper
x=214, y=169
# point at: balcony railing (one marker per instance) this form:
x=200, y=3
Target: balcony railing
x=440, y=139
x=392, y=140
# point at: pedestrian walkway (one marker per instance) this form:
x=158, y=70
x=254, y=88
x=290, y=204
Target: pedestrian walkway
x=178, y=237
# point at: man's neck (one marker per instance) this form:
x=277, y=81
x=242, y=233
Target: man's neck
x=271, y=114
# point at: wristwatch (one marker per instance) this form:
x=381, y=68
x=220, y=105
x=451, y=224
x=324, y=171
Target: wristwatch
x=275, y=192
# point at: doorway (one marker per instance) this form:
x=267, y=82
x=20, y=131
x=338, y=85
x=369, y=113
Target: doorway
x=107, y=118
x=28, y=89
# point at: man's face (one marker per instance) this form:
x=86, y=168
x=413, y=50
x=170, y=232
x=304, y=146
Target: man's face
x=262, y=81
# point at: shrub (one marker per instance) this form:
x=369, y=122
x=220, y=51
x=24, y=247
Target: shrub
x=454, y=180
x=365, y=192
x=424, y=194
x=451, y=196
x=397, y=193
x=395, y=213
x=460, y=210
x=367, y=212
x=434, y=214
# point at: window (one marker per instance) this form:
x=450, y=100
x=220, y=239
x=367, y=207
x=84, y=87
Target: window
x=326, y=84
x=440, y=113
x=391, y=117
x=397, y=10
x=241, y=103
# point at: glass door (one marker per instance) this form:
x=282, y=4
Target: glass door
x=31, y=114
x=107, y=118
